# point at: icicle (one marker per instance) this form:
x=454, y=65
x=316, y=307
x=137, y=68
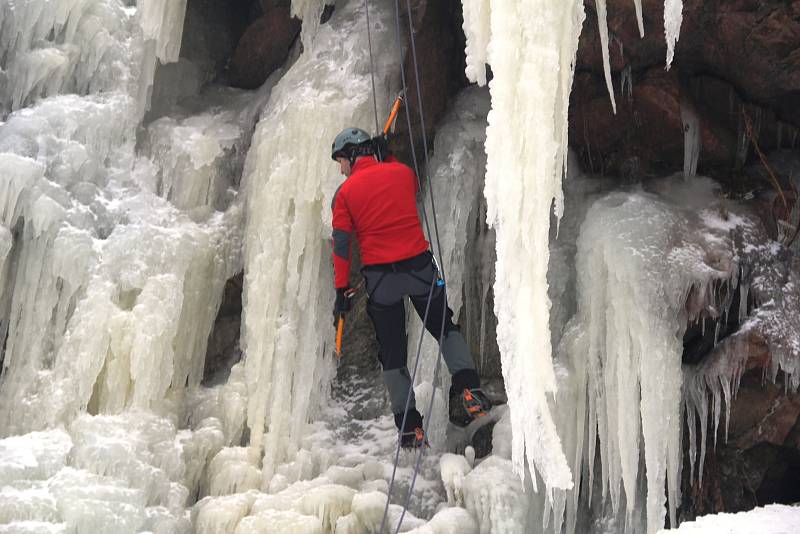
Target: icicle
x=626, y=82
x=691, y=140
x=309, y=11
x=162, y=22
x=673, y=17
x=639, y=19
x=602, y=22
x=521, y=186
x=743, y=145
x=477, y=29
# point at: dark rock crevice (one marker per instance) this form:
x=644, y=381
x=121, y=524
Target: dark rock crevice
x=223, y=350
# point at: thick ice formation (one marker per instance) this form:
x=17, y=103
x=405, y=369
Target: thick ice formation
x=522, y=190
x=290, y=182
x=338, y=477
x=121, y=303
x=456, y=170
x=125, y=473
x=85, y=46
x=162, y=23
x=639, y=257
x=108, y=290
x=309, y=11
x=530, y=96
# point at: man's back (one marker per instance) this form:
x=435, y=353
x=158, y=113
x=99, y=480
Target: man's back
x=378, y=203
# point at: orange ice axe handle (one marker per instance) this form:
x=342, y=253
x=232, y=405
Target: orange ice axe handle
x=393, y=114
x=339, y=332
x=350, y=293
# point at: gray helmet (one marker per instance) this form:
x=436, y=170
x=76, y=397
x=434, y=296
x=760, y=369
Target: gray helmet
x=348, y=139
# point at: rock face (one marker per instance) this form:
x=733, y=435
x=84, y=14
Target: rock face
x=263, y=47
x=731, y=56
x=440, y=46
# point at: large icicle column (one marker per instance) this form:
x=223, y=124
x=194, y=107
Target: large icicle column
x=646, y=264
x=531, y=48
x=291, y=180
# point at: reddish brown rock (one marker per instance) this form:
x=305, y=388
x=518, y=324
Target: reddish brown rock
x=263, y=48
x=440, y=46
x=762, y=412
x=645, y=135
x=731, y=55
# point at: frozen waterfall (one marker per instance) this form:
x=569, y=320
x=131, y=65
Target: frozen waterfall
x=114, y=261
x=119, y=231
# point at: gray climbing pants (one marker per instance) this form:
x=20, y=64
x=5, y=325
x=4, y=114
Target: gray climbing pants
x=387, y=286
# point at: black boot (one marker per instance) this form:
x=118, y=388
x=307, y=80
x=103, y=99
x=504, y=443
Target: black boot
x=412, y=435
x=468, y=405
x=467, y=400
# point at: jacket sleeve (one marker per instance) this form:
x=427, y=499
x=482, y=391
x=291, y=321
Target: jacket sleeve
x=342, y=240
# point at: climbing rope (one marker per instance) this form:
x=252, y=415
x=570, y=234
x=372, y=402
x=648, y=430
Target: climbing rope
x=371, y=67
x=421, y=449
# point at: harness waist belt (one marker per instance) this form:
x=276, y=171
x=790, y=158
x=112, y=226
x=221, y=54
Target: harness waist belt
x=414, y=263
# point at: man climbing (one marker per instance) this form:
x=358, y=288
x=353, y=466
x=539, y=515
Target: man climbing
x=377, y=204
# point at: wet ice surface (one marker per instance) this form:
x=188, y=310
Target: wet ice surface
x=138, y=472
x=341, y=472
x=772, y=519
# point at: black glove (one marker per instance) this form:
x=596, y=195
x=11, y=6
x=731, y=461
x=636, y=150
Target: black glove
x=341, y=305
x=380, y=147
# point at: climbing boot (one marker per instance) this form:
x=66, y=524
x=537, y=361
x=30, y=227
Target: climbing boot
x=413, y=440
x=468, y=405
x=412, y=435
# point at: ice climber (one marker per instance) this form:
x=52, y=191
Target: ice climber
x=376, y=204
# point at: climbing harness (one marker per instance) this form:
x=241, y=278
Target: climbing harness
x=438, y=278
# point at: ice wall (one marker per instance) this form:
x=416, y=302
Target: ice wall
x=113, y=263
x=108, y=281
x=456, y=169
x=290, y=181
x=74, y=212
x=530, y=95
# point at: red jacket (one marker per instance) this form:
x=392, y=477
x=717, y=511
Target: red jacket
x=378, y=201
